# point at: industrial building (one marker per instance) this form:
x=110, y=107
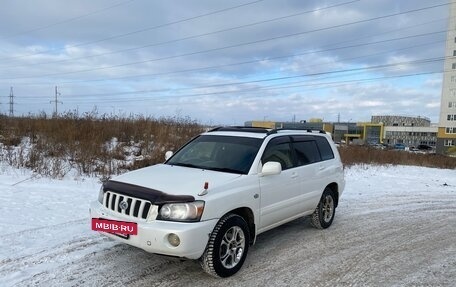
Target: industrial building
x=383, y=129
x=407, y=130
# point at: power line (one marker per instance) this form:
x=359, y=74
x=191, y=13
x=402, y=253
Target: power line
x=67, y=20
x=140, y=30
x=231, y=46
x=422, y=61
x=332, y=48
x=270, y=58
x=363, y=69
x=324, y=85
x=193, y=36
x=376, y=67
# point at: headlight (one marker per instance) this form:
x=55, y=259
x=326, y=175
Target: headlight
x=100, y=195
x=189, y=211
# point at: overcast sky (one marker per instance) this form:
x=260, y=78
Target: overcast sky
x=225, y=62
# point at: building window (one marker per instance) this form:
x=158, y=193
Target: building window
x=454, y=53
x=451, y=117
x=452, y=105
x=453, y=92
x=453, y=66
x=453, y=79
x=448, y=143
x=450, y=130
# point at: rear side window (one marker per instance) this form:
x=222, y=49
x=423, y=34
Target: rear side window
x=306, y=152
x=325, y=149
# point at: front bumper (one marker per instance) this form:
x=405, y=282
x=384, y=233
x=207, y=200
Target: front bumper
x=153, y=236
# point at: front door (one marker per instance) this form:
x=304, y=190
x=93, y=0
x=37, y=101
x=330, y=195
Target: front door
x=279, y=193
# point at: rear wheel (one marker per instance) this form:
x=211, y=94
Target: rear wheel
x=227, y=247
x=323, y=215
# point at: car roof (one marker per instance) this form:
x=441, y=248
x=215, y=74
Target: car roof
x=237, y=134
x=261, y=133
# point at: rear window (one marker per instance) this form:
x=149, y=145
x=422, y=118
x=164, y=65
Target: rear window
x=325, y=149
x=306, y=152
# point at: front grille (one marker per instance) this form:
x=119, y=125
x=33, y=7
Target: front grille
x=137, y=208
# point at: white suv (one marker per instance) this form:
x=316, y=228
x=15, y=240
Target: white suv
x=211, y=199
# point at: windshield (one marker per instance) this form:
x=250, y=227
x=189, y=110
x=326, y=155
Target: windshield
x=220, y=153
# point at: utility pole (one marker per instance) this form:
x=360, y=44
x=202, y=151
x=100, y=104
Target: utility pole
x=56, y=101
x=11, y=103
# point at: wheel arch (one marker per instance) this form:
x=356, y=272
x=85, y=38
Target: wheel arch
x=335, y=189
x=247, y=214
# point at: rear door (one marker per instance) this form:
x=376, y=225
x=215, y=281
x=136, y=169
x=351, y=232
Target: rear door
x=310, y=170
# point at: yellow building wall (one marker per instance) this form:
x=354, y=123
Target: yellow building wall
x=263, y=124
x=441, y=134
x=328, y=128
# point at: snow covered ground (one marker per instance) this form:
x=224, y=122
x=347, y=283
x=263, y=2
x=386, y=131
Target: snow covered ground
x=395, y=226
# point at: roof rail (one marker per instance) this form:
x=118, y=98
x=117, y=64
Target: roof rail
x=240, y=129
x=274, y=131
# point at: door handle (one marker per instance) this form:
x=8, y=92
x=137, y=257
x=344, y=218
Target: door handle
x=294, y=175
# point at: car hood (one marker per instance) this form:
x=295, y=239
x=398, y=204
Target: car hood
x=176, y=180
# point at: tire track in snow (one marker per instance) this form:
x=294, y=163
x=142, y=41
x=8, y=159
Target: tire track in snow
x=27, y=231
x=39, y=249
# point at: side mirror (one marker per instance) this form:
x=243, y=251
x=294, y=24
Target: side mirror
x=271, y=168
x=168, y=155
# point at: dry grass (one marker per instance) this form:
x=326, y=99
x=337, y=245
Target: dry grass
x=86, y=142
x=352, y=155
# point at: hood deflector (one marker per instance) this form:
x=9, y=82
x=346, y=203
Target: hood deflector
x=155, y=196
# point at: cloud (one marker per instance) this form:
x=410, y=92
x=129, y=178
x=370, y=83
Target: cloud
x=257, y=68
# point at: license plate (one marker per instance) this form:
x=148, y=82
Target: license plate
x=116, y=227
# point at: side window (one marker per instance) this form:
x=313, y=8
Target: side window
x=306, y=152
x=279, y=150
x=325, y=149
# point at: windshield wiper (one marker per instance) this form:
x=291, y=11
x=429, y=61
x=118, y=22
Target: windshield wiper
x=221, y=169
x=225, y=169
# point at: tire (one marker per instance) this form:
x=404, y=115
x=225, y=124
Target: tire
x=323, y=215
x=227, y=247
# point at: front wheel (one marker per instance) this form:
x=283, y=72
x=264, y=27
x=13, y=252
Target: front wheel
x=227, y=247
x=324, y=213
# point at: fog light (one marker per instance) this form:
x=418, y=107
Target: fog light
x=173, y=239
